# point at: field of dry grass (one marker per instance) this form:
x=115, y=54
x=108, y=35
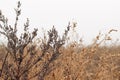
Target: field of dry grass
x=104, y=64
x=76, y=63
x=51, y=58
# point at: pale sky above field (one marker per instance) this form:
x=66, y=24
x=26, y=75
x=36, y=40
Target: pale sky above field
x=91, y=16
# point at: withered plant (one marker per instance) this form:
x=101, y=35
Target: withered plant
x=23, y=59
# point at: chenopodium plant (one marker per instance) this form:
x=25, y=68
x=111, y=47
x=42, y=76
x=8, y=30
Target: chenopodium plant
x=16, y=65
x=15, y=45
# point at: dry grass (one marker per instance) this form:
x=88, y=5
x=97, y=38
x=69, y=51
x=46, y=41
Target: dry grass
x=103, y=64
x=26, y=59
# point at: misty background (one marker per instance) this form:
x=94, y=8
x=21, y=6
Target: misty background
x=91, y=16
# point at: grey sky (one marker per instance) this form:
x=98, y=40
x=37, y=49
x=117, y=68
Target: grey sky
x=91, y=16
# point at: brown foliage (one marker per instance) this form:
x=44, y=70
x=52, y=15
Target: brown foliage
x=23, y=59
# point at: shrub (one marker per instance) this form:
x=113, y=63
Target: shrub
x=23, y=59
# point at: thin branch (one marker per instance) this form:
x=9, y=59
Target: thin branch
x=3, y=64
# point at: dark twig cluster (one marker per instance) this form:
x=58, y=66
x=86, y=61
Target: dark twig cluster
x=22, y=55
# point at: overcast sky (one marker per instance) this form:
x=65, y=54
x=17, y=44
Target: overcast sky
x=91, y=16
